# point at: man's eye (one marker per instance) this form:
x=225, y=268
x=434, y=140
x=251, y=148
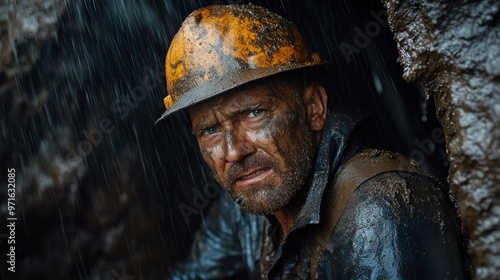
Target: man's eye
x=255, y=113
x=210, y=130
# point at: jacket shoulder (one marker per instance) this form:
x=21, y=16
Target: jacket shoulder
x=396, y=225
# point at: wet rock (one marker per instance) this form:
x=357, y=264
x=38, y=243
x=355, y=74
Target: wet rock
x=24, y=27
x=93, y=199
x=453, y=50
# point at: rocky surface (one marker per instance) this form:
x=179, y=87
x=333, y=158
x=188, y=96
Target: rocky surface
x=453, y=49
x=25, y=25
x=93, y=198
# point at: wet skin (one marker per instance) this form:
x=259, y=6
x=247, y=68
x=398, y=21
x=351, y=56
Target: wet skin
x=260, y=142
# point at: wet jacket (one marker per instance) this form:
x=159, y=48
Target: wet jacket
x=396, y=225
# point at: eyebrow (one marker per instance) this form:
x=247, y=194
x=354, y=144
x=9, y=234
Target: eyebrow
x=234, y=110
x=241, y=107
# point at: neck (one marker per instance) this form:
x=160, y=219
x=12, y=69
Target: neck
x=286, y=215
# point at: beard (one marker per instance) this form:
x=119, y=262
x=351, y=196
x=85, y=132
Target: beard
x=267, y=197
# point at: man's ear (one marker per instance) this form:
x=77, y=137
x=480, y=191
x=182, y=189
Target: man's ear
x=315, y=100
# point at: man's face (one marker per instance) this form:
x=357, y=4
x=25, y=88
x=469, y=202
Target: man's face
x=258, y=143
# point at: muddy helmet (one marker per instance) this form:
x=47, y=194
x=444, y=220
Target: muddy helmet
x=220, y=47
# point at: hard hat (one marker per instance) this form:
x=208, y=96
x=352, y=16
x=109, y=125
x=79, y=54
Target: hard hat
x=220, y=47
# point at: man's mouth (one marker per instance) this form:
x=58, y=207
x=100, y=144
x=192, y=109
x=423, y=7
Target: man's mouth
x=252, y=176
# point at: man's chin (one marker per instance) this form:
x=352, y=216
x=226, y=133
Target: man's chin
x=261, y=202
x=252, y=208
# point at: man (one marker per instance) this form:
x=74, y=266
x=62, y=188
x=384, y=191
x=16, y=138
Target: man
x=303, y=199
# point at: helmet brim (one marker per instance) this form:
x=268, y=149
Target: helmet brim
x=216, y=86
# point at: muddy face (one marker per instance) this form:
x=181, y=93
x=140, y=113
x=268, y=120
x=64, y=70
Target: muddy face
x=258, y=143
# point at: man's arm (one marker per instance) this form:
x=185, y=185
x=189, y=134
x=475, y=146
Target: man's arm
x=216, y=252
x=397, y=225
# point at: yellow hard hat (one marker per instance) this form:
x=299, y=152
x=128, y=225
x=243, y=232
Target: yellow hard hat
x=220, y=47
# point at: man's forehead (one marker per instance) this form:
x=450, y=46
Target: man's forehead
x=238, y=97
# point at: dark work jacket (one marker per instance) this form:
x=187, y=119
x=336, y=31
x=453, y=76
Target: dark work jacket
x=396, y=225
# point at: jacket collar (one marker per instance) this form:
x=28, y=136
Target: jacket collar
x=332, y=153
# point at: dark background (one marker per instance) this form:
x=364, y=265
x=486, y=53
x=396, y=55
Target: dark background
x=115, y=209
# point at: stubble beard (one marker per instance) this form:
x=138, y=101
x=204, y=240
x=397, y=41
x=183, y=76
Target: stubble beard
x=267, y=198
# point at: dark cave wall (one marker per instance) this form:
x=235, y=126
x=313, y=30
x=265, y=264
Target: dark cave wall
x=97, y=188
x=453, y=49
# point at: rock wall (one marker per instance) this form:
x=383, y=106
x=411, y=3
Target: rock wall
x=24, y=27
x=80, y=88
x=453, y=49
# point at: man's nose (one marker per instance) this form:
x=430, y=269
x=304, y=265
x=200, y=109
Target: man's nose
x=237, y=146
